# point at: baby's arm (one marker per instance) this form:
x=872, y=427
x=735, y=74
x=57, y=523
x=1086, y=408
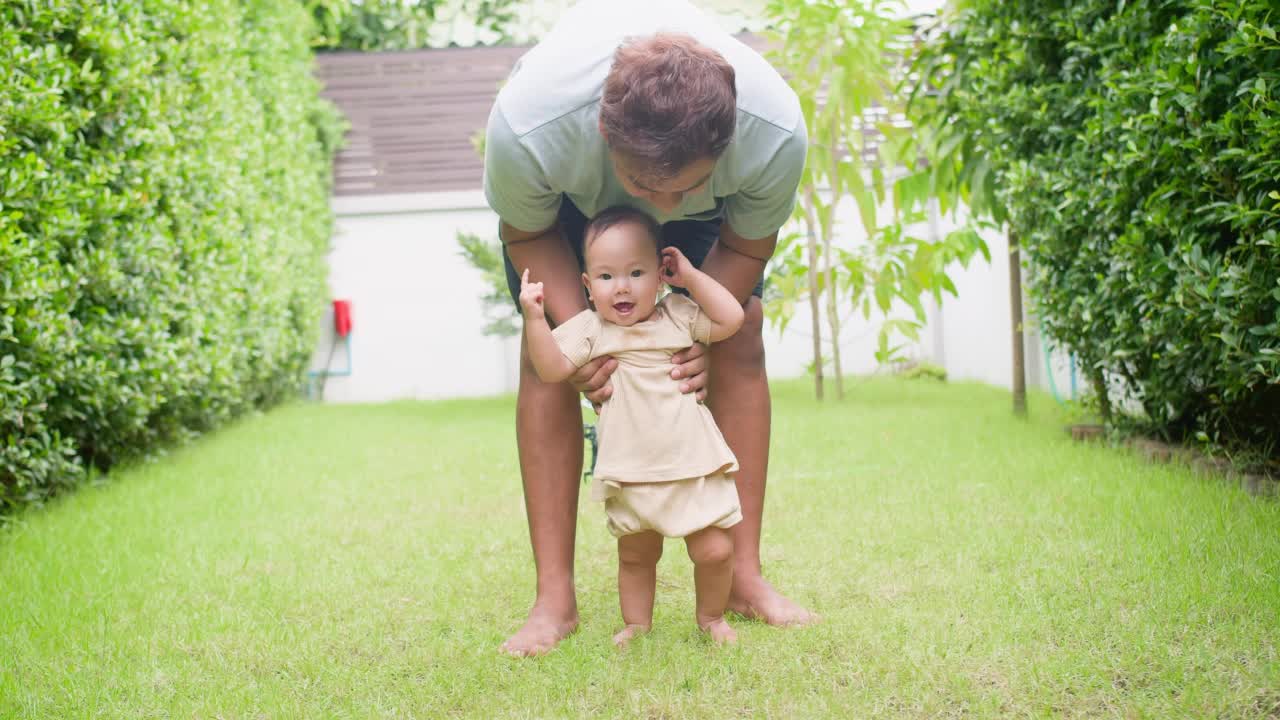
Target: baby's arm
x=548, y=361
x=720, y=306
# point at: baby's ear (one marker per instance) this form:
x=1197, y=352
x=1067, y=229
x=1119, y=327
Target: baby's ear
x=586, y=283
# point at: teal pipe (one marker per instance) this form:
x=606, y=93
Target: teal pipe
x=1048, y=371
x=327, y=373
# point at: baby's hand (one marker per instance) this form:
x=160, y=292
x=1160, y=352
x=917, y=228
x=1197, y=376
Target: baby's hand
x=531, y=297
x=676, y=268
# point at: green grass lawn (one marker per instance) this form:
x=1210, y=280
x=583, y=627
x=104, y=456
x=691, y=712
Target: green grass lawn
x=325, y=561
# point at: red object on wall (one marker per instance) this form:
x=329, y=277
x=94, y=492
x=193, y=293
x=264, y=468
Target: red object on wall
x=342, y=317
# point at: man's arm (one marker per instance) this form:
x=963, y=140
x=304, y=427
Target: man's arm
x=761, y=206
x=738, y=263
x=717, y=303
x=547, y=256
x=518, y=191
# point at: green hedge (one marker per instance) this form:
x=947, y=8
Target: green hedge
x=164, y=183
x=1136, y=149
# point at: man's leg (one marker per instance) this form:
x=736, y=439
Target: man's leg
x=739, y=400
x=549, y=437
x=738, y=396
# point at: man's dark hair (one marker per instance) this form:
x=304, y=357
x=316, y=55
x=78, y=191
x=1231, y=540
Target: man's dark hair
x=618, y=215
x=668, y=102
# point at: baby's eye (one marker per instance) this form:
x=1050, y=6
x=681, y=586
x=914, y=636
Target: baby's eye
x=637, y=273
x=606, y=276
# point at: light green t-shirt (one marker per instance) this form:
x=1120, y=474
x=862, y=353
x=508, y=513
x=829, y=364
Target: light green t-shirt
x=543, y=139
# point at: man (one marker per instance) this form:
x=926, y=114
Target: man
x=646, y=104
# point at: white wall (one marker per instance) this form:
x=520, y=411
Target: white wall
x=417, y=311
x=416, y=307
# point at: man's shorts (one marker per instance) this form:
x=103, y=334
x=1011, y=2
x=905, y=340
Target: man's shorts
x=694, y=238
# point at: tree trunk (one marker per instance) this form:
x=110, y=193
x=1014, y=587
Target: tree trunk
x=833, y=318
x=936, y=324
x=1099, y=383
x=1015, y=310
x=833, y=310
x=814, y=299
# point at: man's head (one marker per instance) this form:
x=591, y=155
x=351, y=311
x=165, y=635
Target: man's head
x=621, y=249
x=669, y=110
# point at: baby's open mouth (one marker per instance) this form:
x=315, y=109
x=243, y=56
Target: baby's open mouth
x=624, y=307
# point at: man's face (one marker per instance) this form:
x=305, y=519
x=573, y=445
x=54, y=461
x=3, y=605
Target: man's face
x=622, y=274
x=665, y=195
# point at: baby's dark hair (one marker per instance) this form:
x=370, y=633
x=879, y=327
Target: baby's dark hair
x=617, y=215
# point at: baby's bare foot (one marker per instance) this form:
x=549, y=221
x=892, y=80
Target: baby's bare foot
x=719, y=631
x=625, y=635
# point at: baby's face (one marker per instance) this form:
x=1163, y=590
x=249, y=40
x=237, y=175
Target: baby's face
x=622, y=274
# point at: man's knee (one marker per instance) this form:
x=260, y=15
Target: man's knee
x=745, y=350
x=710, y=547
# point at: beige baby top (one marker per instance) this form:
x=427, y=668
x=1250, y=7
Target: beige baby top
x=649, y=431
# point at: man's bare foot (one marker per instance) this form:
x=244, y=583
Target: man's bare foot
x=720, y=631
x=540, y=634
x=757, y=600
x=625, y=635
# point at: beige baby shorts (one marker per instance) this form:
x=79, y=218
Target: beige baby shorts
x=674, y=508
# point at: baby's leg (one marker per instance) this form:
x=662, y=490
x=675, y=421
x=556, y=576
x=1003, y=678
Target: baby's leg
x=711, y=550
x=638, y=556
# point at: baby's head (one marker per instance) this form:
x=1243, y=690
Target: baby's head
x=621, y=248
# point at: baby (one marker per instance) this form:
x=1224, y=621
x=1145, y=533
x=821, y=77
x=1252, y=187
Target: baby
x=664, y=469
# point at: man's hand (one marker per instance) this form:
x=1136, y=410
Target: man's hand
x=531, y=298
x=691, y=367
x=592, y=380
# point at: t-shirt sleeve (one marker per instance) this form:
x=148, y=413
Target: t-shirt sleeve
x=764, y=203
x=688, y=316
x=577, y=336
x=514, y=183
